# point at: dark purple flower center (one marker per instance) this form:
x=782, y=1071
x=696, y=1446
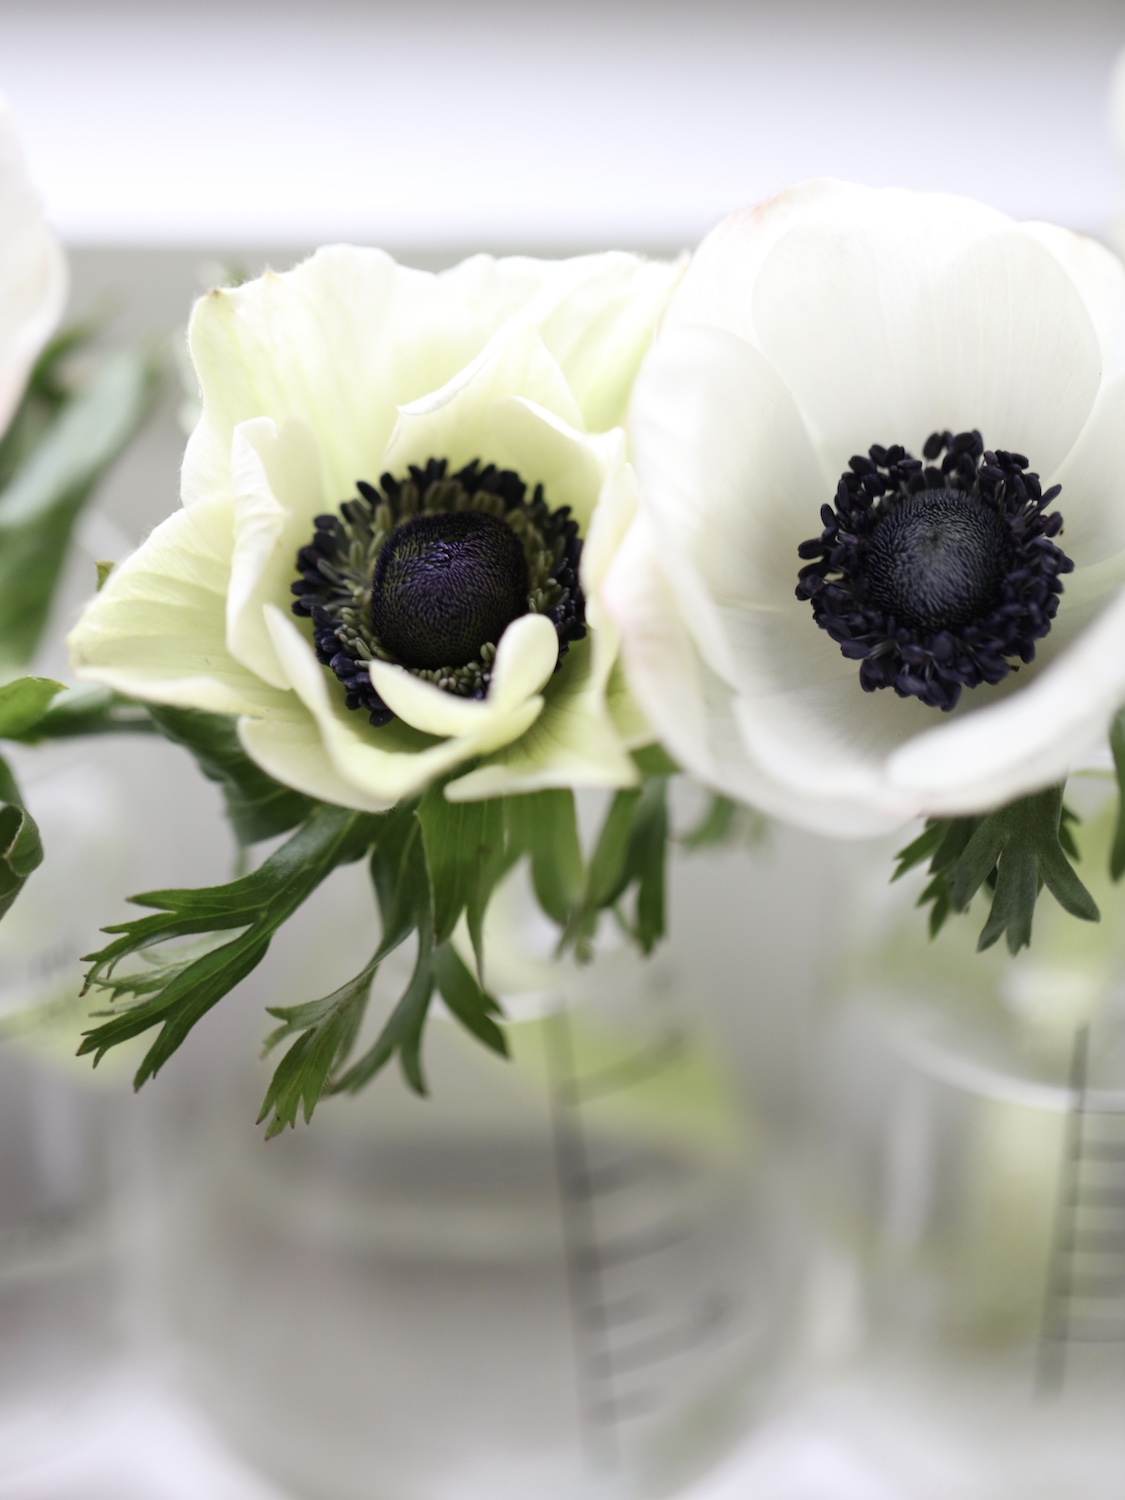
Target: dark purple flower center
x=446, y=585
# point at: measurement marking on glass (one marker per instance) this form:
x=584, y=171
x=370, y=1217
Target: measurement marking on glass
x=603, y=1313
x=1087, y=1261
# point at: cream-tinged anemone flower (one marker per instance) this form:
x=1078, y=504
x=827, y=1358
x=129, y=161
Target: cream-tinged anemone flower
x=397, y=507
x=33, y=279
x=849, y=596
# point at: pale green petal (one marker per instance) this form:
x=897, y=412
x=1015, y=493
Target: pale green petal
x=379, y=764
x=454, y=422
x=544, y=449
x=288, y=746
x=525, y=659
x=576, y=740
x=617, y=506
x=572, y=742
x=339, y=342
x=156, y=630
x=277, y=485
x=600, y=333
x=347, y=337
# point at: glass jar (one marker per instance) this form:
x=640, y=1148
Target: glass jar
x=558, y=1276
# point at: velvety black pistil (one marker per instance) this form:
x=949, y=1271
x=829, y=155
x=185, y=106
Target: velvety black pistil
x=427, y=570
x=445, y=585
x=935, y=576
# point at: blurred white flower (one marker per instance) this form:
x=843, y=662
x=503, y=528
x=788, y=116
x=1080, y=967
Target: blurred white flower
x=818, y=349
x=33, y=280
x=376, y=566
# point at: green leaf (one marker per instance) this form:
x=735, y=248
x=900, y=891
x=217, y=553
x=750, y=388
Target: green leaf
x=256, y=905
x=647, y=862
x=85, y=711
x=608, y=874
x=654, y=760
x=630, y=852
x=21, y=851
x=1017, y=850
x=23, y=703
x=104, y=570
x=258, y=807
x=400, y=877
x=471, y=1004
x=461, y=841
x=544, y=826
x=403, y=1030
x=47, y=391
x=56, y=478
x=1117, y=745
x=326, y=1031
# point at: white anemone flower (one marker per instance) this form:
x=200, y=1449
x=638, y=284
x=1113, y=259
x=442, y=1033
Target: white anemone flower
x=880, y=376
x=398, y=505
x=33, y=278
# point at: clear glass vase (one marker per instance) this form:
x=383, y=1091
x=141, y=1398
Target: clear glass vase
x=969, y=1114
x=558, y=1276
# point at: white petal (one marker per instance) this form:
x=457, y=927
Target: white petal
x=277, y=490
x=156, y=630
x=727, y=476
x=697, y=715
x=1093, y=483
x=928, y=228
x=33, y=279
x=1099, y=278
x=1018, y=354
x=1028, y=741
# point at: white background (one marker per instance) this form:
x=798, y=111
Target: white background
x=493, y=125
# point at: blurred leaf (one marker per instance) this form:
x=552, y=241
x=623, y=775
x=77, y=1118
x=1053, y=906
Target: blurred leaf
x=41, y=501
x=24, y=703
x=21, y=851
x=83, y=711
x=725, y=823
x=1117, y=745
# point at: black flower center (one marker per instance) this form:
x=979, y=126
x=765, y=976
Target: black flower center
x=446, y=585
x=428, y=570
x=937, y=560
x=937, y=576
